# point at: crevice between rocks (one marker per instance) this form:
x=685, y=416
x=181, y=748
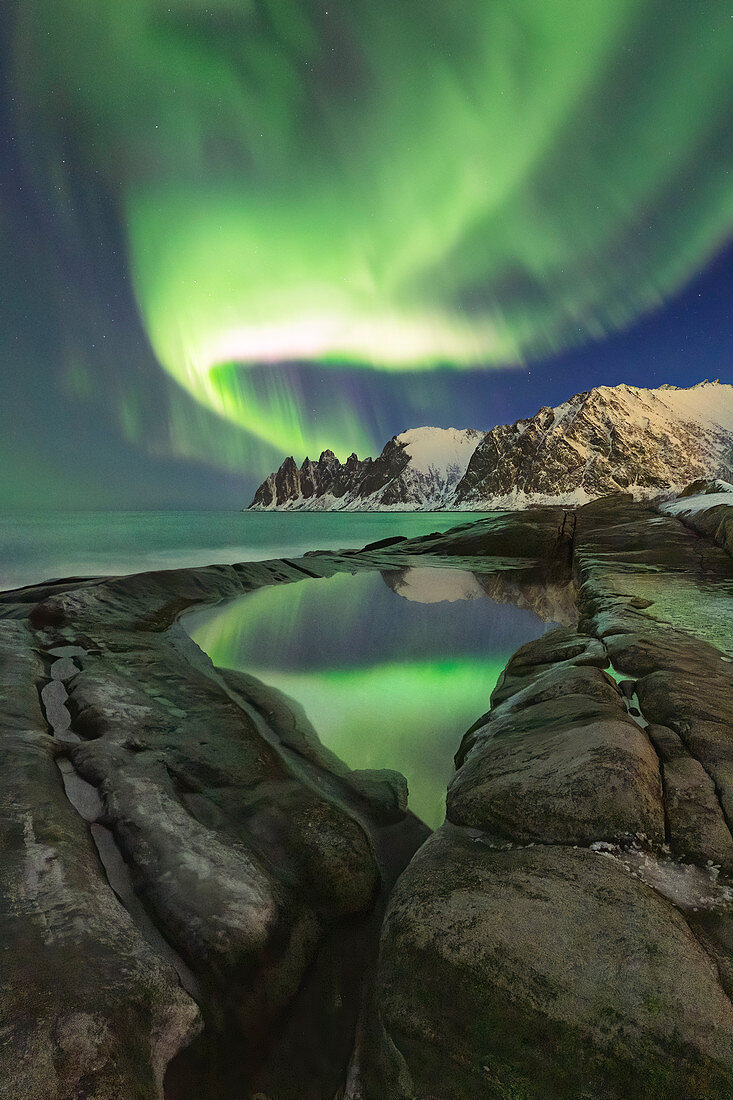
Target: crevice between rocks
x=632, y=703
x=665, y=798
x=85, y=799
x=710, y=774
x=723, y=981
x=569, y=520
x=713, y=780
x=301, y=569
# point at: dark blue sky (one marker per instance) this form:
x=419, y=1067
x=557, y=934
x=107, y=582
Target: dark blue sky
x=686, y=341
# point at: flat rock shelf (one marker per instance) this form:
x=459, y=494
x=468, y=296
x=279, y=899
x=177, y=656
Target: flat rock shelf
x=199, y=898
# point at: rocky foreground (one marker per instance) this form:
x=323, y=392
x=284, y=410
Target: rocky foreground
x=199, y=900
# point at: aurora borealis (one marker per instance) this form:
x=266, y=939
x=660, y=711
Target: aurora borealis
x=391, y=199
x=431, y=663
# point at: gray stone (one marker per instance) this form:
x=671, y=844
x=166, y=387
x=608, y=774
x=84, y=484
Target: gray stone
x=697, y=827
x=545, y=971
x=53, y=697
x=87, y=1007
x=63, y=669
x=570, y=772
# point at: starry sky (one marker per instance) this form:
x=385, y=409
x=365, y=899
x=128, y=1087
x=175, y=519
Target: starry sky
x=235, y=230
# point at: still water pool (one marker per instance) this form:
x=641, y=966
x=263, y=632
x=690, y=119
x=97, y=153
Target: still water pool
x=391, y=668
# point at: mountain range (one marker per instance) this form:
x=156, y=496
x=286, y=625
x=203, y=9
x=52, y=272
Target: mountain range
x=611, y=438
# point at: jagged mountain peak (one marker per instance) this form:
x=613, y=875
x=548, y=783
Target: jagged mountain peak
x=607, y=439
x=602, y=440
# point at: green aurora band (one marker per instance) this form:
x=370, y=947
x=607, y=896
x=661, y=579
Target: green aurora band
x=398, y=184
x=430, y=704
x=404, y=714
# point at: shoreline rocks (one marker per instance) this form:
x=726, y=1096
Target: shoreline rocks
x=568, y=932
x=86, y=1003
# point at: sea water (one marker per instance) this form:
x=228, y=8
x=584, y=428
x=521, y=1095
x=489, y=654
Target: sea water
x=40, y=546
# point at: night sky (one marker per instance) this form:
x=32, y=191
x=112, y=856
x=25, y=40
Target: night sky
x=244, y=228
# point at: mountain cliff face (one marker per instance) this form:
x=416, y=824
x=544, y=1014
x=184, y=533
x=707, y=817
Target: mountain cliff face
x=608, y=439
x=417, y=469
x=313, y=482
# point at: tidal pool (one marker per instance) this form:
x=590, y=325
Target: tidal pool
x=391, y=668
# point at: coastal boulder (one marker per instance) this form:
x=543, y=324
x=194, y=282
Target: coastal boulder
x=545, y=972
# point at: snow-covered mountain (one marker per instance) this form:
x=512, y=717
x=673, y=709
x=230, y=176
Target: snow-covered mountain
x=613, y=437
x=416, y=470
x=610, y=438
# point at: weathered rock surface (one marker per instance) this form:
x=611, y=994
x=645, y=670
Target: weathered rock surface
x=541, y=536
x=239, y=860
x=548, y=971
x=559, y=652
x=698, y=829
x=251, y=847
x=568, y=933
x=568, y=772
x=706, y=507
x=545, y=972
x=683, y=682
x=87, y=1007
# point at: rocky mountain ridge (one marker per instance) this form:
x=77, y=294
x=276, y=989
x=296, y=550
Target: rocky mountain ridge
x=600, y=441
x=414, y=468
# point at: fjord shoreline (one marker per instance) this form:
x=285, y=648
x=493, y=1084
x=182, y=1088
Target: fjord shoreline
x=577, y=837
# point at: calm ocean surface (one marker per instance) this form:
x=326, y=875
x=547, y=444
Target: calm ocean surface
x=36, y=547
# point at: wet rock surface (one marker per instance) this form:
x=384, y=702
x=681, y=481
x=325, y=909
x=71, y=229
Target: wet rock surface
x=254, y=862
x=545, y=971
x=566, y=933
x=570, y=770
x=87, y=1007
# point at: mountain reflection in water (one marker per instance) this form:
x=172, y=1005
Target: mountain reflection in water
x=391, y=668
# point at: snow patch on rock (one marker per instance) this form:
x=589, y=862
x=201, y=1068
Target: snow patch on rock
x=701, y=502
